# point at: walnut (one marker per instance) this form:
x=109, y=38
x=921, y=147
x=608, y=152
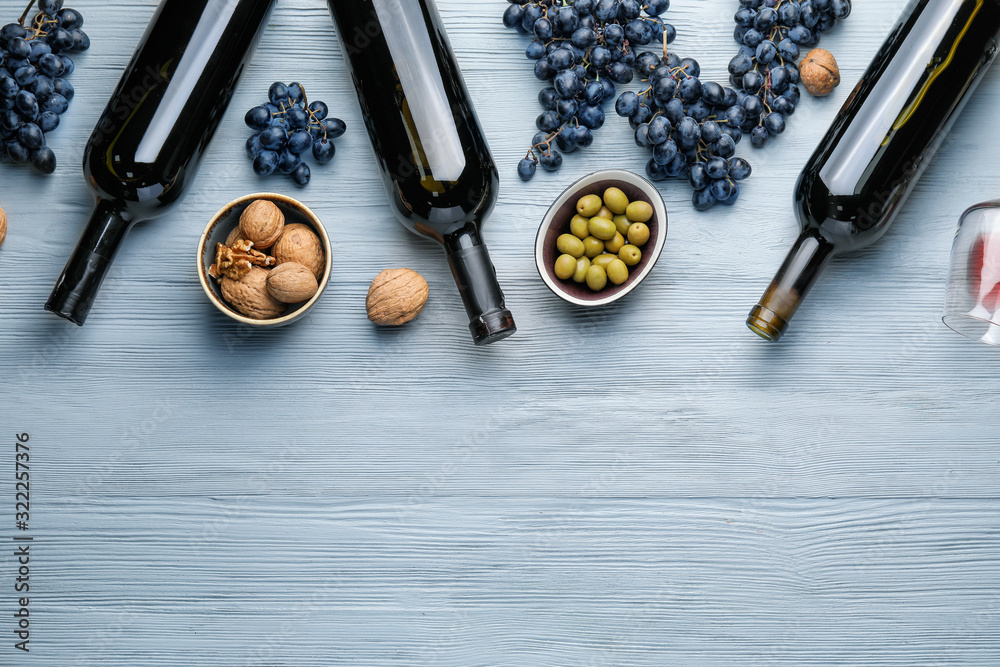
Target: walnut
x=298, y=243
x=291, y=283
x=396, y=296
x=249, y=295
x=235, y=262
x=3, y=226
x=819, y=72
x=262, y=222
x=234, y=236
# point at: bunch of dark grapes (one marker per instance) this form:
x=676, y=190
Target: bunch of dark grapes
x=691, y=127
x=770, y=34
x=286, y=128
x=34, y=91
x=582, y=49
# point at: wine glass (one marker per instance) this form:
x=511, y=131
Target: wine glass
x=972, y=307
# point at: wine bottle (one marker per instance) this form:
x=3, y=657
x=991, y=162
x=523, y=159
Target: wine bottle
x=881, y=141
x=435, y=163
x=149, y=141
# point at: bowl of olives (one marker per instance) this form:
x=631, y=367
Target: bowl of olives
x=601, y=237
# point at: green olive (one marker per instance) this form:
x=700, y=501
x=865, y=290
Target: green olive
x=639, y=211
x=570, y=245
x=638, y=234
x=580, y=274
x=630, y=255
x=602, y=228
x=565, y=267
x=622, y=223
x=615, y=244
x=592, y=246
x=617, y=271
x=589, y=205
x=603, y=260
x=605, y=212
x=596, y=278
x=578, y=227
x=616, y=200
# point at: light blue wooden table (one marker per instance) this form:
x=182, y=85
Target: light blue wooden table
x=645, y=485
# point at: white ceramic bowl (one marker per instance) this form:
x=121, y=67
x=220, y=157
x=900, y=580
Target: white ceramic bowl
x=556, y=222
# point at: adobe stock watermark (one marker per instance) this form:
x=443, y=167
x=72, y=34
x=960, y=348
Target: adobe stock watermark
x=127, y=101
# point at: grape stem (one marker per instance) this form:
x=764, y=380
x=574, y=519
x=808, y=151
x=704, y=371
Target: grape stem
x=25, y=14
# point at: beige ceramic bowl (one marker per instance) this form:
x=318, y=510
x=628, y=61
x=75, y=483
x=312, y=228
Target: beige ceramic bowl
x=226, y=221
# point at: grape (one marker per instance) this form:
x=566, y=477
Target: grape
x=770, y=38
x=274, y=138
x=581, y=50
x=51, y=65
x=60, y=39
x=50, y=7
x=69, y=19
x=318, y=110
x=688, y=125
x=18, y=152
x=288, y=161
x=33, y=88
x=288, y=127
x=278, y=93
x=253, y=145
x=301, y=175
x=550, y=160
x=323, y=150
x=63, y=87
x=334, y=127
x=526, y=168
x=739, y=169
x=265, y=162
x=55, y=103
x=299, y=142
x=31, y=136
x=258, y=118
x=8, y=87
x=296, y=118
x=81, y=42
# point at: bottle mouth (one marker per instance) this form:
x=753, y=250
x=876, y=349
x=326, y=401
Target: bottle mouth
x=74, y=293
x=766, y=323
x=491, y=327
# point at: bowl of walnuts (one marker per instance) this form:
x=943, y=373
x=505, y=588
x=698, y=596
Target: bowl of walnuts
x=264, y=260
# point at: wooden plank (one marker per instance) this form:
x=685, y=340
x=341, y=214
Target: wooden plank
x=647, y=484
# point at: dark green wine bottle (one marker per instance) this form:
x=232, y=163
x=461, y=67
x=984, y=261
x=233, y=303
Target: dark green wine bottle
x=149, y=141
x=883, y=138
x=436, y=165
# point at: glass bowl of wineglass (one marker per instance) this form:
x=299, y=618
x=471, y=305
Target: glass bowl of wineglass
x=972, y=307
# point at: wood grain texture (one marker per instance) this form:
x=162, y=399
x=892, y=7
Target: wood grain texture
x=647, y=484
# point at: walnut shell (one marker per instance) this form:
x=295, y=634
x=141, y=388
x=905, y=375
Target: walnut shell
x=3, y=226
x=249, y=295
x=299, y=243
x=396, y=296
x=291, y=283
x=262, y=222
x=819, y=73
x=234, y=236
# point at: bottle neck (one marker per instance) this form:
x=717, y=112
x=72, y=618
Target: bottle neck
x=807, y=259
x=80, y=281
x=489, y=319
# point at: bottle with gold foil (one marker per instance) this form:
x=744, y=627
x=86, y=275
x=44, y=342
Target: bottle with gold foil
x=885, y=135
